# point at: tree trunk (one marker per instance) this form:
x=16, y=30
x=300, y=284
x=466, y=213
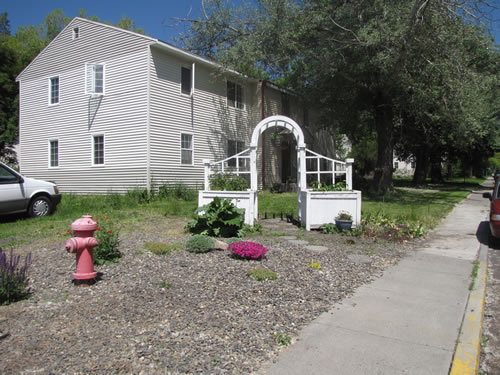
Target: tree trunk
x=436, y=170
x=382, y=180
x=422, y=166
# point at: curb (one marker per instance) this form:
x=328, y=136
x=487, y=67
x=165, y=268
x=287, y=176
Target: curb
x=466, y=357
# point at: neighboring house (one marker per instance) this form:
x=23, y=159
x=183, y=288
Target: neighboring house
x=404, y=168
x=103, y=110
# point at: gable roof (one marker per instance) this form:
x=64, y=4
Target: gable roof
x=152, y=42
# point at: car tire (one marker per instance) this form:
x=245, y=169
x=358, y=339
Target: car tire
x=40, y=206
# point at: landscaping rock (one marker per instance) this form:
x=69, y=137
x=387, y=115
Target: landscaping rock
x=220, y=245
x=178, y=313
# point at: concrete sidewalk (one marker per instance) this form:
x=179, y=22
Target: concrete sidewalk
x=408, y=320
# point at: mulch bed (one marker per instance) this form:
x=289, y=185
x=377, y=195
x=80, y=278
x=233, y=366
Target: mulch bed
x=183, y=312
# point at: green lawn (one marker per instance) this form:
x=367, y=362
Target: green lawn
x=426, y=205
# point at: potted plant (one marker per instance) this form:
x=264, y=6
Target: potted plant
x=343, y=220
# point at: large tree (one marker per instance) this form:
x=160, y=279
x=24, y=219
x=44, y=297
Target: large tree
x=366, y=64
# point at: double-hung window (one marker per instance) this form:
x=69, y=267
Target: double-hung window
x=234, y=95
x=94, y=79
x=233, y=148
x=98, y=149
x=186, y=81
x=54, y=153
x=54, y=90
x=186, y=148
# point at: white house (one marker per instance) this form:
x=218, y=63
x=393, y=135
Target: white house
x=104, y=109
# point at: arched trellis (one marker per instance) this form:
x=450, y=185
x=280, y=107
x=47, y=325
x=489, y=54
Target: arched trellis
x=289, y=124
x=314, y=208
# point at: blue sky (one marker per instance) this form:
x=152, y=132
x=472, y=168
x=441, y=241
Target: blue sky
x=155, y=16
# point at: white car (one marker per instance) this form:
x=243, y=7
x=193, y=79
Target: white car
x=22, y=194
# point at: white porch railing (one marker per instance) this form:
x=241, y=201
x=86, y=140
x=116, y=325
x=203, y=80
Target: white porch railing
x=318, y=165
x=241, y=166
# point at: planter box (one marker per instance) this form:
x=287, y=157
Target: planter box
x=241, y=199
x=317, y=208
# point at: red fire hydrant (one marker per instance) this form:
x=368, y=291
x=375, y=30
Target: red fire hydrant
x=83, y=245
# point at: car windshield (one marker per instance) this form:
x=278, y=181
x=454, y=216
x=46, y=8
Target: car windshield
x=6, y=176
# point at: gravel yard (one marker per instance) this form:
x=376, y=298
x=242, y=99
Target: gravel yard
x=183, y=312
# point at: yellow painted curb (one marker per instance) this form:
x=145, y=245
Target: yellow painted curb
x=466, y=358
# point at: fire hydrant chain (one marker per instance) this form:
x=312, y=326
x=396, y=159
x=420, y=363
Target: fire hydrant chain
x=83, y=245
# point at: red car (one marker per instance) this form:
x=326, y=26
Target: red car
x=494, y=209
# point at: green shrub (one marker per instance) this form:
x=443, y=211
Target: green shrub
x=228, y=181
x=220, y=218
x=262, y=274
x=13, y=277
x=200, y=243
x=160, y=248
x=315, y=265
x=108, y=238
x=318, y=186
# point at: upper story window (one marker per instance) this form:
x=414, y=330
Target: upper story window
x=98, y=150
x=186, y=81
x=54, y=153
x=234, y=95
x=76, y=33
x=186, y=148
x=54, y=90
x=94, y=79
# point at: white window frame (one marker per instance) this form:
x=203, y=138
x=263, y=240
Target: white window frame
x=187, y=149
x=90, y=88
x=50, y=153
x=238, y=105
x=189, y=68
x=94, y=136
x=76, y=33
x=58, y=90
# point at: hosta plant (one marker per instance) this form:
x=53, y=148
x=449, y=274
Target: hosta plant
x=247, y=250
x=13, y=277
x=219, y=218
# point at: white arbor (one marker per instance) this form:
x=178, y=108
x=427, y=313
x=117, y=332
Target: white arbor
x=323, y=206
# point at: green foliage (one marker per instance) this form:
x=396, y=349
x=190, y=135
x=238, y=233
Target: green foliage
x=165, y=285
x=177, y=191
x=282, y=339
x=248, y=230
x=160, y=248
x=13, y=277
x=228, y=182
x=262, y=274
x=199, y=243
x=315, y=265
x=108, y=238
x=475, y=270
x=330, y=228
x=343, y=215
x=220, y=218
x=318, y=186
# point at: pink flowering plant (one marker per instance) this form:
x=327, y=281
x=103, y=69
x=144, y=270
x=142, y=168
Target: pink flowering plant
x=247, y=250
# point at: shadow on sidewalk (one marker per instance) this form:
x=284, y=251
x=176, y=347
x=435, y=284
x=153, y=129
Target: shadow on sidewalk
x=484, y=237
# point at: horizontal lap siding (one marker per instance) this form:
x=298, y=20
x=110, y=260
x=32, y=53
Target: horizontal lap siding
x=121, y=115
x=206, y=116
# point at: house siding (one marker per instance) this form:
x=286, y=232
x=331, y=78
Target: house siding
x=120, y=116
x=205, y=115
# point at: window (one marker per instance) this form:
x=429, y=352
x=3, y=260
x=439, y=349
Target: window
x=233, y=148
x=413, y=164
x=234, y=95
x=76, y=33
x=186, y=81
x=54, y=90
x=285, y=104
x=98, y=150
x=95, y=79
x=396, y=165
x=54, y=153
x=186, y=148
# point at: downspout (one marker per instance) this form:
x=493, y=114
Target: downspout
x=148, y=127
x=193, y=75
x=263, y=116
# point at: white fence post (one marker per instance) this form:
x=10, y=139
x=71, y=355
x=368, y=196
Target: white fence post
x=206, y=163
x=253, y=167
x=348, y=167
